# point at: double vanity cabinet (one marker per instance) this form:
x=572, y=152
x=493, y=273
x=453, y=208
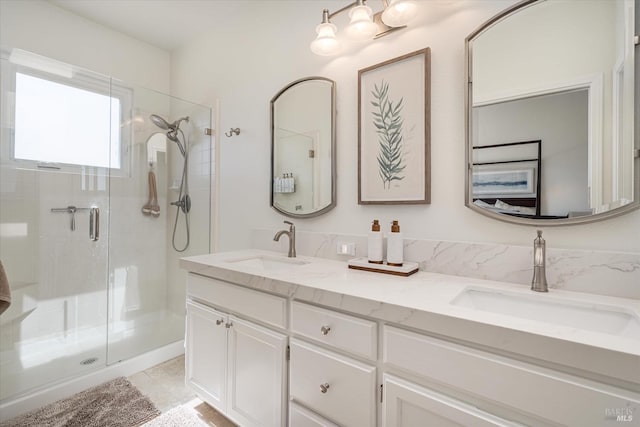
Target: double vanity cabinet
x=307, y=342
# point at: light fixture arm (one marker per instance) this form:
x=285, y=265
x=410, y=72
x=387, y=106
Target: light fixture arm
x=385, y=4
x=347, y=7
x=363, y=23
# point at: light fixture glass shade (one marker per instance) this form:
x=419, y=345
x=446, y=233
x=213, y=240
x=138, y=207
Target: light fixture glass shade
x=326, y=43
x=399, y=12
x=361, y=26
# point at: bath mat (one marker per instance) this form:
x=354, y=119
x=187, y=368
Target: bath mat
x=180, y=416
x=191, y=414
x=116, y=403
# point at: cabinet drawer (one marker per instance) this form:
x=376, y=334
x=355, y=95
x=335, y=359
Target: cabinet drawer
x=334, y=386
x=349, y=333
x=264, y=307
x=301, y=417
x=555, y=396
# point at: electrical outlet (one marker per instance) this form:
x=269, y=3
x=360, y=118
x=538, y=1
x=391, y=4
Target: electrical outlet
x=346, y=248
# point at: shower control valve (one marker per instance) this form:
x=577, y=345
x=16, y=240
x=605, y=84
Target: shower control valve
x=184, y=203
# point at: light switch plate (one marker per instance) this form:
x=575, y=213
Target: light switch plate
x=346, y=248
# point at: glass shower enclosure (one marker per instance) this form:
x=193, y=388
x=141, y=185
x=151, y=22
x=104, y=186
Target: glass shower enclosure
x=89, y=218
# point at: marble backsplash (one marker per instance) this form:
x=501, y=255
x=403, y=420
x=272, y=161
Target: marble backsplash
x=598, y=272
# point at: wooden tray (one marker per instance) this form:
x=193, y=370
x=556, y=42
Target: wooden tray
x=407, y=268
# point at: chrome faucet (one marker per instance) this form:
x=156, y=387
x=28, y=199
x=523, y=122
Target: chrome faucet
x=292, y=238
x=539, y=282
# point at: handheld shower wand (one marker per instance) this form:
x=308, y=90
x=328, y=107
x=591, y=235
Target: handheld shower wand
x=163, y=124
x=183, y=204
x=172, y=130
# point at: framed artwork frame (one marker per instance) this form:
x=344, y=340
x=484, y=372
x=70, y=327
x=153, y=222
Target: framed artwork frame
x=505, y=180
x=394, y=128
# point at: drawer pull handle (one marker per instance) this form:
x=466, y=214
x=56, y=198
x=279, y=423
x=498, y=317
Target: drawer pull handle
x=324, y=387
x=219, y=322
x=325, y=330
x=228, y=325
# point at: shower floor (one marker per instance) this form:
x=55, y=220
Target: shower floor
x=33, y=365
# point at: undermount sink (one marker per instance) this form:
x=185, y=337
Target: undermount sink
x=268, y=263
x=542, y=308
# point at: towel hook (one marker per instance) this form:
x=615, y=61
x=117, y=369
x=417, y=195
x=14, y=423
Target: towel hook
x=232, y=131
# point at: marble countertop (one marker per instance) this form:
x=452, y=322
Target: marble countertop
x=423, y=301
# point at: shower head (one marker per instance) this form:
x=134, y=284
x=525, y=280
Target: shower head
x=172, y=130
x=160, y=122
x=163, y=124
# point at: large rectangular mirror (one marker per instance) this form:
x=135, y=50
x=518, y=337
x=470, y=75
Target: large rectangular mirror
x=551, y=112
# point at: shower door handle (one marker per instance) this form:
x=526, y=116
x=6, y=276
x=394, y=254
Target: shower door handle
x=94, y=223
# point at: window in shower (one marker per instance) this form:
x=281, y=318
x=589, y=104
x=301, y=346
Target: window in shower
x=71, y=122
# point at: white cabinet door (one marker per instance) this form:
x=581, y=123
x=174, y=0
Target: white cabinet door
x=206, y=353
x=256, y=368
x=410, y=405
x=554, y=397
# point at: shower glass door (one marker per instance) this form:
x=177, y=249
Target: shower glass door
x=58, y=144
x=148, y=235
x=90, y=231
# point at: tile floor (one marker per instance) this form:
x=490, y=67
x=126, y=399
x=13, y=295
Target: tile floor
x=164, y=385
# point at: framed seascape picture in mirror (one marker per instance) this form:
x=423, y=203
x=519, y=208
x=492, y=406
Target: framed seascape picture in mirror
x=394, y=154
x=554, y=84
x=506, y=178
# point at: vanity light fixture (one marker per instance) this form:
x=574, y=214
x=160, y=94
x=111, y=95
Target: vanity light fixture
x=326, y=43
x=361, y=27
x=364, y=23
x=399, y=12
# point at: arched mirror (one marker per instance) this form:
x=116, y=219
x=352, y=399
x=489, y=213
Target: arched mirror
x=552, y=112
x=156, y=143
x=303, y=148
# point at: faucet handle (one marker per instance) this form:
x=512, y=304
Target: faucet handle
x=291, y=226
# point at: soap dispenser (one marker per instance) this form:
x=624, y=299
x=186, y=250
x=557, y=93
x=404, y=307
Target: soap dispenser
x=374, y=249
x=395, y=246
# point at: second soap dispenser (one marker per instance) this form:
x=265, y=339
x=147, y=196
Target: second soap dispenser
x=395, y=245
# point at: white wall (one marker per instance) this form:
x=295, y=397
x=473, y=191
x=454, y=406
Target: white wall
x=40, y=27
x=244, y=65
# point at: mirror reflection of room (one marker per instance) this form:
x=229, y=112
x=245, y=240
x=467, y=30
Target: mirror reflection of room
x=538, y=74
x=302, y=148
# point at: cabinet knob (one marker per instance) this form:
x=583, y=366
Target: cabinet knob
x=324, y=387
x=228, y=325
x=219, y=322
x=325, y=330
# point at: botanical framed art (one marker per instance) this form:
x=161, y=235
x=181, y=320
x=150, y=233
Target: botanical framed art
x=394, y=150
